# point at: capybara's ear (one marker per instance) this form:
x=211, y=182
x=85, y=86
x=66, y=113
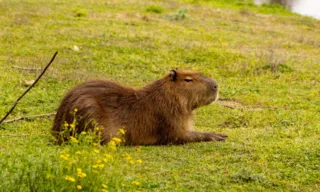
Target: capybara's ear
x=173, y=75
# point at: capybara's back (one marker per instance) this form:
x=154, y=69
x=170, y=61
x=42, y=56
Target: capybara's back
x=157, y=114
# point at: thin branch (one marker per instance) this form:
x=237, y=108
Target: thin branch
x=28, y=118
x=17, y=101
x=15, y=135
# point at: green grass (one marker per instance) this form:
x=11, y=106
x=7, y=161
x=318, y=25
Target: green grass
x=265, y=59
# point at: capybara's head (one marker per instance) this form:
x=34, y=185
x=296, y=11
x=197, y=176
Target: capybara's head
x=193, y=88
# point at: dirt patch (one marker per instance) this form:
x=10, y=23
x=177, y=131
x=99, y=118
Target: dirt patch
x=232, y=104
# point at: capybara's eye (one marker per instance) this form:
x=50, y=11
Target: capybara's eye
x=188, y=79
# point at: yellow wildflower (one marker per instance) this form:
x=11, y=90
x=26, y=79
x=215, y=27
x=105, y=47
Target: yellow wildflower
x=98, y=161
x=104, y=186
x=101, y=166
x=80, y=173
x=65, y=124
x=96, y=151
x=95, y=166
x=75, y=110
x=79, y=187
x=135, y=183
x=121, y=131
x=72, y=125
x=73, y=139
x=64, y=156
x=108, y=156
x=99, y=128
x=129, y=158
x=116, y=140
x=69, y=178
x=104, y=190
x=139, y=161
x=71, y=162
x=112, y=145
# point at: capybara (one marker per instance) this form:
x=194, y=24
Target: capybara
x=157, y=114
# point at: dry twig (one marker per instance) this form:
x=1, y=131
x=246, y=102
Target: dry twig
x=17, y=101
x=14, y=135
x=28, y=118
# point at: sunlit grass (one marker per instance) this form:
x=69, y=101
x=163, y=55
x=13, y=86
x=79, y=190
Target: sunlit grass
x=265, y=59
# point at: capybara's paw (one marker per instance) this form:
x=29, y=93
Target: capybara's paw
x=218, y=137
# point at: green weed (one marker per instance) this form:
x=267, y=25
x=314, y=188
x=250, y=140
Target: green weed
x=155, y=9
x=180, y=14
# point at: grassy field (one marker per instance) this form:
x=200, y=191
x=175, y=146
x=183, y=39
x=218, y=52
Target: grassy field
x=265, y=59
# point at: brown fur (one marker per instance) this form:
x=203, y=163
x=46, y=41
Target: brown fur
x=157, y=114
